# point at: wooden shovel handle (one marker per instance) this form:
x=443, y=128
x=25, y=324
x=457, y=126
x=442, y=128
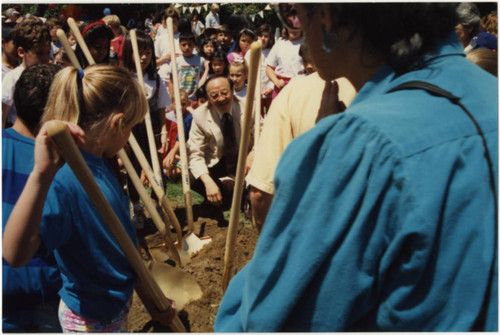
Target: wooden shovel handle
x=71, y=54
x=255, y=53
x=148, y=203
x=157, y=188
x=149, y=126
x=186, y=187
x=60, y=135
x=258, y=94
x=79, y=38
x=137, y=57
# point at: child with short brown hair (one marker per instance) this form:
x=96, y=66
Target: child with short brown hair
x=32, y=41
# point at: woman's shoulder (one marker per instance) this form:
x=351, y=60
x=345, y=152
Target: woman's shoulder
x=344, y=143
x=347, y=127
x=338, y=135
x=411, y=120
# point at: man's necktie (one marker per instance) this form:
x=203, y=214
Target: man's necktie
x=230, y=151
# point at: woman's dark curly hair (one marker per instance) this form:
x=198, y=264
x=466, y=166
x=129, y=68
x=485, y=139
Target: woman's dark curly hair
x=403, y=32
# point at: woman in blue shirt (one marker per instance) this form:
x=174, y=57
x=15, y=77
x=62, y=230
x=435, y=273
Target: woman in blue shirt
x=384, y=217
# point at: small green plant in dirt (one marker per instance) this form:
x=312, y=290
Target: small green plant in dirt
x=175, y=193
x=245, y=221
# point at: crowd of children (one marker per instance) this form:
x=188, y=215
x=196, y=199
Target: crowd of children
x=37, y=225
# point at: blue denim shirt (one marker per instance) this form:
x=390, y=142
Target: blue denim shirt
x=383, y=218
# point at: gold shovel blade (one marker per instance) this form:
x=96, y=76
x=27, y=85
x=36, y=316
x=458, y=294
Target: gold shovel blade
x=176, y=284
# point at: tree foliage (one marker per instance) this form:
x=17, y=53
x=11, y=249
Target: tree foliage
x=95, y=9
x=256, y=13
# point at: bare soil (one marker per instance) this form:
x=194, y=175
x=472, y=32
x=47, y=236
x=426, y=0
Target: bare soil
x=206, y=267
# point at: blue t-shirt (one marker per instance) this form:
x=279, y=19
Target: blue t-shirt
x=383, y=217
x=25, y=288
x=97, y=278
x=187, y=121
x=17, y=163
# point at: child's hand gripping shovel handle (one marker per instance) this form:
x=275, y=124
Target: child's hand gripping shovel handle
x=149, y=291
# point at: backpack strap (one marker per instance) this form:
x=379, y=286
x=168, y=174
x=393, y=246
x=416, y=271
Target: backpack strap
x=479, y=324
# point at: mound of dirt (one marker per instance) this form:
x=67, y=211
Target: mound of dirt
x=206, y=267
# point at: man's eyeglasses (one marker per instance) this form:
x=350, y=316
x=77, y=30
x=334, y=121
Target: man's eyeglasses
x=215, y=95
x=287, y=13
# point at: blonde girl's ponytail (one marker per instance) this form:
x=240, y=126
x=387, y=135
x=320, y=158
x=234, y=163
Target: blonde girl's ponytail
x=91, y=96
x=62, y=103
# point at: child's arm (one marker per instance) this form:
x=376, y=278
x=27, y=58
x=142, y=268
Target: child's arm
x=171, y=86
x=270, y=71
x=170, y=158
x=205, y=73
x=164, y=132
x=21, y=239
x=165, y=59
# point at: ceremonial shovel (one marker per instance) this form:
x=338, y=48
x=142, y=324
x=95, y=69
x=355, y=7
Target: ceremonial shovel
x=191, y=243
x=255, y=53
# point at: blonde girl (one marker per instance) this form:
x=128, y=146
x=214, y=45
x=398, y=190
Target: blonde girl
x=238, y=72
x=54, y=213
